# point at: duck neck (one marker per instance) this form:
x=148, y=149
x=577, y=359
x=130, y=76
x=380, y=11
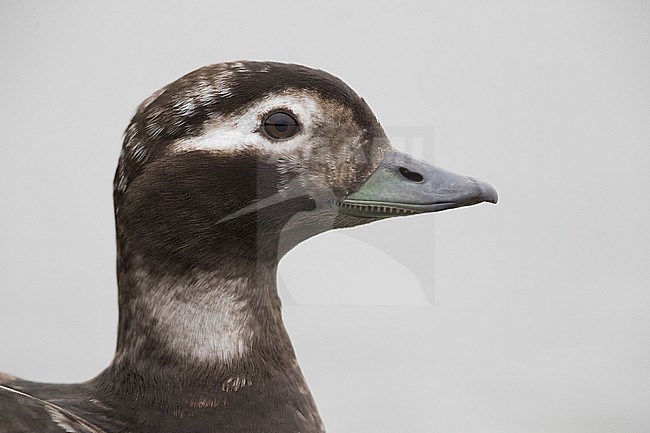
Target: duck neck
x=209, y=347
x=221, y=322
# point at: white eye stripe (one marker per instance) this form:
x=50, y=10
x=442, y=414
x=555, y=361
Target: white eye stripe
x=243, y=131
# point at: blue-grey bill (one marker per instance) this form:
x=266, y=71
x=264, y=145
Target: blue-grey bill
x=403, y=185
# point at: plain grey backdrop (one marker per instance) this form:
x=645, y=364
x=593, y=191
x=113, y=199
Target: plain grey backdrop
x=532, y=315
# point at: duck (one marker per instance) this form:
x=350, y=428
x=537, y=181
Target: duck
x=221, y=173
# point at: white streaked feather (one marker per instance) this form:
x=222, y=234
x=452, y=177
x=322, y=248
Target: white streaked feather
x=242, y=130
x=208, y=323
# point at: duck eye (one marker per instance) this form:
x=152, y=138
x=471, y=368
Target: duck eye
x=280, y=126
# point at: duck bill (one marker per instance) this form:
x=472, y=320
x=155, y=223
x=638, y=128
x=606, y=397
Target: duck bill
x=403, y=185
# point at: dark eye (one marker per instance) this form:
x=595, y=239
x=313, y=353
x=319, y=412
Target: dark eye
x=280, y=126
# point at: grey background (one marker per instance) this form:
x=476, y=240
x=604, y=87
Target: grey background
x=539, y=317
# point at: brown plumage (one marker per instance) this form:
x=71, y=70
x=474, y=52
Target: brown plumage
x=206, y=205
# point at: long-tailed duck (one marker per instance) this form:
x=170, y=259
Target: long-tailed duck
x=221, y=173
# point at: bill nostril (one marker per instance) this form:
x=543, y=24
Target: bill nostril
x=411, y=175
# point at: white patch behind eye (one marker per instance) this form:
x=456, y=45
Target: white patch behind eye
x=244, y=131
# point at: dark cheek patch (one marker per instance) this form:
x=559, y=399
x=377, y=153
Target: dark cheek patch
x=175, y=214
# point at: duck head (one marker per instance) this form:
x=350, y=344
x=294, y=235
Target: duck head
x=244, y=160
